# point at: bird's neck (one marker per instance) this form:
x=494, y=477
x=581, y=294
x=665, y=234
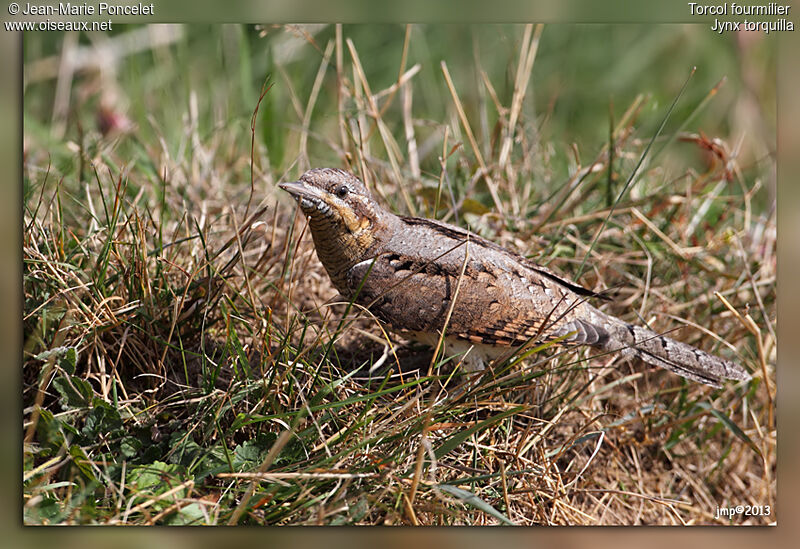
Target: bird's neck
x=339, y=249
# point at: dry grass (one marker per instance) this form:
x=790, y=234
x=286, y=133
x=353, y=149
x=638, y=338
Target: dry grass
x=186, y=360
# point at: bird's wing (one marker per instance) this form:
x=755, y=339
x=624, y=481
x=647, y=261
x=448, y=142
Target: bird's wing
x=459, y=234
x=492, y=306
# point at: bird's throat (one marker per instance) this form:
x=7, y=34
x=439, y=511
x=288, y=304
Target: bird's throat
x=339, y=249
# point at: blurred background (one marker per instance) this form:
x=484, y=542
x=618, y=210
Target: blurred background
x=145, y=84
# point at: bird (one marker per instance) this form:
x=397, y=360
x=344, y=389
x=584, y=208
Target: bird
x=420, y=276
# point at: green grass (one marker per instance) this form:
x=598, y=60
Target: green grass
x=185, y=359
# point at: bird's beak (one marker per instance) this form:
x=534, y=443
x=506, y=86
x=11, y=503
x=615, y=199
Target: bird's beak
x=310, y=198
x=299, y=190
x=306, y=195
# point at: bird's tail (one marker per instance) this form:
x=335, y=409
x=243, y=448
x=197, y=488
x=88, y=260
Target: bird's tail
x=665, y=352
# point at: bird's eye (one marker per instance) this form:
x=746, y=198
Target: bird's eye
x=341, y=191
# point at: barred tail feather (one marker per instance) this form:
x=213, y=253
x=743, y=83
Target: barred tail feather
x=662, y=351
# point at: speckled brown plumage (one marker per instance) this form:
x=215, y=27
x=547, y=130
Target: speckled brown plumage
x=407, y=270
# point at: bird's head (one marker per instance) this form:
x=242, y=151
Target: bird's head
x=341, y=211
x=335, y=198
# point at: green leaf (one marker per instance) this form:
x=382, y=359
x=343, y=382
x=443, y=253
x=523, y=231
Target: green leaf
x=245, y=453
x=730, y=425
x=471, y=499
x=69, y=360
x=101, y=419
x=270, y=113
x=254, y=451
x=67, y=357
x=44, y=512
x=359, y=510
x=184, y=448
x=153, y=478
x=57, y=485
x=81, y=461
x=130, y=446
x=191, y=514
x=75, y=392
x=243, y=419
x=49, y=433
x=455, y=440
x=240, y=355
